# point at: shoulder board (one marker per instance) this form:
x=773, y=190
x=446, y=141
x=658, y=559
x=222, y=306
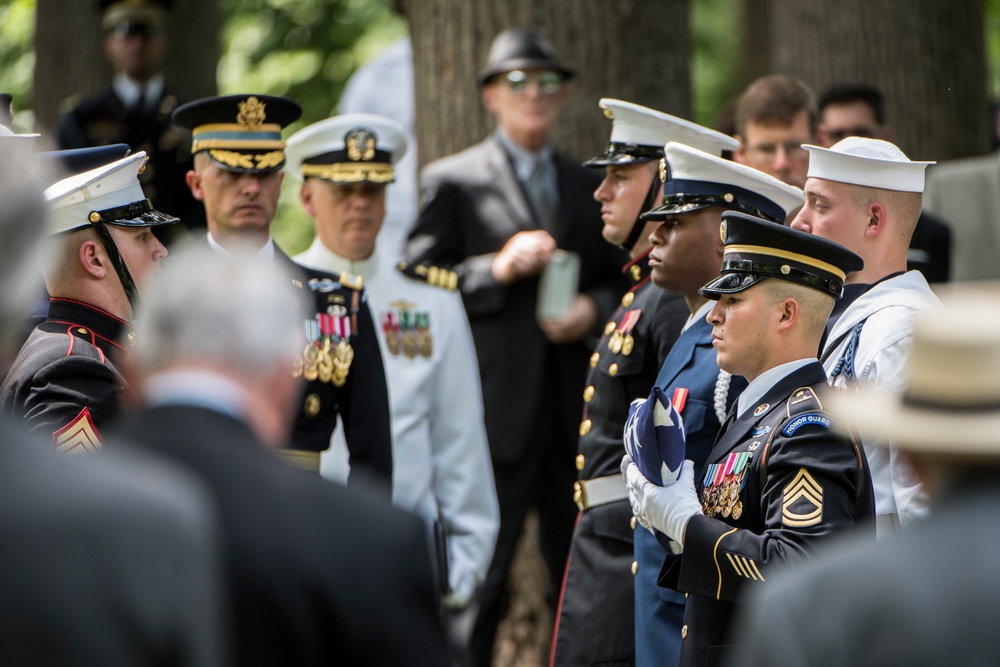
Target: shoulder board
x=432, y=275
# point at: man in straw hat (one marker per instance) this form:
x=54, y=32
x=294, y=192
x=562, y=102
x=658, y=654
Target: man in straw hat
x=65, y=383
x=865, y=194
x=929, y=595
x=782, y=476
x=623, y=367
x=687, y=252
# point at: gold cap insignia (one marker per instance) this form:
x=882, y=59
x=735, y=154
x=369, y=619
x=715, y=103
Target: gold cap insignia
x=608, y=113
x=663, y=169
x=251, y=114
x=360, y=144
x=722, y=231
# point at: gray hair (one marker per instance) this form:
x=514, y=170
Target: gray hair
x=235, y=313
x=23, y=216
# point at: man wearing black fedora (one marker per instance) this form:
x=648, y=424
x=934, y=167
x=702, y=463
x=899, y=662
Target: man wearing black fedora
x=928, y=595
x=501, y=214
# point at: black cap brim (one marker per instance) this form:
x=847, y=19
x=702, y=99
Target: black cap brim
x=730, y=283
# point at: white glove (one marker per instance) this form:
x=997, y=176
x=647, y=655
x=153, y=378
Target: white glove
x=665, y=508
x=461, y=591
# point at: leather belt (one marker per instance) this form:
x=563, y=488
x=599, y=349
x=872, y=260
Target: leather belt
x=599, y=491
x=300, y=458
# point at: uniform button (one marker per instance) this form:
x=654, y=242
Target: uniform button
x=585, y=427
x=628, y=299
x=635, y=566
x=609, y=327
x=686, y=595
x=595, y=358
x=613, y=369
x=684, y=632
x=580, y=461
x=636, y=272
x=631, y=523
x=588, y=394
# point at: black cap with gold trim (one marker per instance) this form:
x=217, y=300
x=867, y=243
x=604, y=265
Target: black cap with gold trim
x=757, y=249
x=346, y=149
x=239, y=133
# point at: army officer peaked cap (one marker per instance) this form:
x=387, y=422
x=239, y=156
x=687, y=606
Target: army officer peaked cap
x=239, y=133
x=109, y=194
x=758, y=249
x=693, y=179
x=345, y=149
x=638, y=134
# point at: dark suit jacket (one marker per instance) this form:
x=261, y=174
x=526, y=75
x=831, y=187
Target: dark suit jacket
x=108, y=559
x=103, y=119
x=800, y=480
x=471, y=205
x=927, y=596
x=930, y=249
x=319, y=574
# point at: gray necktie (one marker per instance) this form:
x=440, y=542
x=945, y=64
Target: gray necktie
x=538, y=197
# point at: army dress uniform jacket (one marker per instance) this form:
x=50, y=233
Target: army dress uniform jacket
x=63, y=385
x=103, y=119
x=319, y=574
x=362, y=402
x=596, y=620
x=441, y=460
x=781, y=478
x=690, y=377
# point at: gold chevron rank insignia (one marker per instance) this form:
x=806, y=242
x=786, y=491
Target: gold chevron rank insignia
x=80, y=436
x=802, y=501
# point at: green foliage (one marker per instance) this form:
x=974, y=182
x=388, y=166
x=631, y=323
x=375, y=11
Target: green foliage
x=17, y=57
x=306, y=50
x=992, y=28
x=716, y=38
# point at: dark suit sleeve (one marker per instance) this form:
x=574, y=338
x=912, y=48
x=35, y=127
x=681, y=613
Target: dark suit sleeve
x=810, y=490
x=364, y=409
x=69, y=134
x=437, y=239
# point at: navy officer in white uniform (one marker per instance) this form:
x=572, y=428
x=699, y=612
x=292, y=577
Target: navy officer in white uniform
x=442, y=467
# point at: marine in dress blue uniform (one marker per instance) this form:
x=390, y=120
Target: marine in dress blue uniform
x=341, y=363
x=690, y=376
x=64, y=383
x=784, y=474
x=623, y=366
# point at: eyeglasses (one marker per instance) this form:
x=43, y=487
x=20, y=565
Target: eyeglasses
x=769, y=152
x=128, y=29
x=549, y=83
x=843, y=133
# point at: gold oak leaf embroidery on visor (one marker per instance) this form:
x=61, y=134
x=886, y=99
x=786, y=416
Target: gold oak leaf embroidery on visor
x=802, y=501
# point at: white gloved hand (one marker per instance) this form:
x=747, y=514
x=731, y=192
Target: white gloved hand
x=633, y=501
x=665, y=508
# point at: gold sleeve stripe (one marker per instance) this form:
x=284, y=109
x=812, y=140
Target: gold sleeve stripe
x=715, y=557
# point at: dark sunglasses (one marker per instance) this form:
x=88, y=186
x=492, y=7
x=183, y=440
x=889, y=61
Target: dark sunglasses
x=549, y=83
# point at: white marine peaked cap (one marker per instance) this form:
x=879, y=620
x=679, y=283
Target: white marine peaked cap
x=635, y=124
x=110, y=194
x=873, y=163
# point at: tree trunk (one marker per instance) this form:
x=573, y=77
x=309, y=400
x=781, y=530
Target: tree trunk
x=70, y=62
x=927, y=56
x=618, y=47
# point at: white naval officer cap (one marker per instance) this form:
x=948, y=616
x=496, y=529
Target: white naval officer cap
x=695, y=180
x=638, y=134
x=109, y=194
x=346, y=149
x=873, y=163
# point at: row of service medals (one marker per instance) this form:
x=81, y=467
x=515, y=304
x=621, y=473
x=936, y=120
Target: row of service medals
x=328, y=353
x=409, y=331
x=620, y=340
x=723, y=483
